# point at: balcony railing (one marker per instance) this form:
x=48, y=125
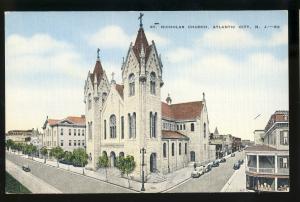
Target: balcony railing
x=251, y=169
x=283, y=171
x=267, y=170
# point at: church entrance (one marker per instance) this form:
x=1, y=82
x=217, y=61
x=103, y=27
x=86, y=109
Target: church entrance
x=112, y=159
x=153, y=162
x=192, y=156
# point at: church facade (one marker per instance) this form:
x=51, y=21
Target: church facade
x=121, y=119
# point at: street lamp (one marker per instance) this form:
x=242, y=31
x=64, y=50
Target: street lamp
x=143, y=151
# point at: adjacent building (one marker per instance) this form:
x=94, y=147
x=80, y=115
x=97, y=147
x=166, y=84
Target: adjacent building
x=258, y=137
x=267, y=167
x=122, y=119
x=21, y=136
x=67, y=133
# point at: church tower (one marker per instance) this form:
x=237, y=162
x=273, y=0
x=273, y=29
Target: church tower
x=95, y=91
x=142, y=79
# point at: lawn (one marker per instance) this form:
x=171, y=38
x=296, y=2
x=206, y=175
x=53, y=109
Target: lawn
x=13, y=186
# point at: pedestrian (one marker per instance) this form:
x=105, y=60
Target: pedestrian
x=195, y=166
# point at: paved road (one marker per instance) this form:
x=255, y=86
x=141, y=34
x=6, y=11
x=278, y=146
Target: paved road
x=65, y=181
x=212, y=181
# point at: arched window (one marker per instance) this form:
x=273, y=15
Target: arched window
x=104, y=97
x=122, y=127
x=131, y=85
x=134, y=125
x=179, y=148
x=204, y=129
x=104, y=129
x=129, y=126
x=173, y=148
x=89, y=101
x=153, y=121
x=177, y=127
x=192, y=127
x=183, y=126
x=152, y=83
x=180, y=127
x=112, y=124
x=185, y=148
x=165, y=150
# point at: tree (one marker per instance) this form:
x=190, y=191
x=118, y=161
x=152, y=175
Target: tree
x=103, y=163
x=126, y=165
x=9, y=144
x=30, y=149
x=44, y=152
x=80, y=158
x=68, y=157
x=57, y=153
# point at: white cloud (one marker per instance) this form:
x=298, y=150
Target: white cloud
x=239, y=38
x=279, y=38
x=180, y=55
x=228, y=38
x=41, y=53
x=110, y=37
x=162, y=41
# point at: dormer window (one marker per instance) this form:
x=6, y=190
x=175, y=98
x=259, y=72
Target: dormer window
x=131, y=85
x=152, y=83
x=104, y=97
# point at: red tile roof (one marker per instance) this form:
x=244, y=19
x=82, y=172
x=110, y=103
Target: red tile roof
x=181, y=111
x=76, y=119
x=98, y=71
x=139, y=41
x=120, y=89
x=168, y=134
x=53, y=121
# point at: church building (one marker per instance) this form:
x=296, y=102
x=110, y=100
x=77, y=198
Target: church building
x=122, y=119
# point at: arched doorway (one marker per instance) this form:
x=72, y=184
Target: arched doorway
x=192, y=155
x=112, y=159
x=153, y=162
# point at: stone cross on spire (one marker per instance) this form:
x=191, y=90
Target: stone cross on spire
x=98, y=51
x=141, y=19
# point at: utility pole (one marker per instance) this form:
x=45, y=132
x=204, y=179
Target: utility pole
x=143, y=151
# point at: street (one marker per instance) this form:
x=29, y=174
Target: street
x=212, y=181
x=65, y=181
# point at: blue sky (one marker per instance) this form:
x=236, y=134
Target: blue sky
x=244, y=72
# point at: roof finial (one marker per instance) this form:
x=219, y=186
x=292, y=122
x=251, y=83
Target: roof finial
x=141, y=19
x=98, y=51
x=203, y=96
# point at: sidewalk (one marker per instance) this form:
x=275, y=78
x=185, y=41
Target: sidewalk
x=34, y=184
x=237, y=182
x=172, y=179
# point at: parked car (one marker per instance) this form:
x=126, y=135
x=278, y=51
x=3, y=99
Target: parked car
x=65, y=162
x=215, y=163
x=195, y=174
x=236, y=166
x=222, y=160
x=232, y=154
x=208, y=168
x=200, y=170
x=26, y=168
x=241, y=161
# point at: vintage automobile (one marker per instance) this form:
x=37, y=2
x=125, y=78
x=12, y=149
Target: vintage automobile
x=195, y=174
x=26, y=168
x=236, y=166
x=208, y=167
x=198, y=171
x=215, y=163
x=241, y=161
x=222, y=160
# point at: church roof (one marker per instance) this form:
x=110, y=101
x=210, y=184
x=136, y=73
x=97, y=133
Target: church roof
x=98, y=71
x=168, y=134
x=181, y=111
x=139, y=41
x=120, y=89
